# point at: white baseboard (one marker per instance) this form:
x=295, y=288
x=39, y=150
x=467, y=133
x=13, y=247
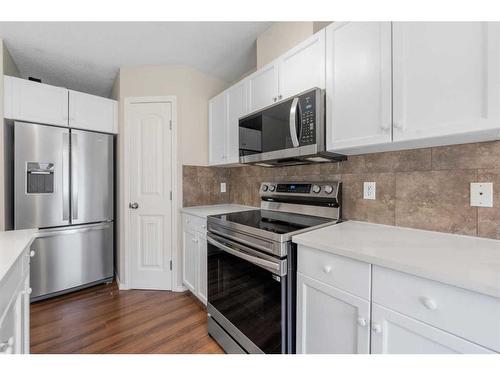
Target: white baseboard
x=179, y=288
x=121, y=285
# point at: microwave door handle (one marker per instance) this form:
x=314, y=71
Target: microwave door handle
x=293, y=121
x=270, y=266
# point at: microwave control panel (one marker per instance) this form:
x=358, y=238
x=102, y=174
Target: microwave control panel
x=308, y=119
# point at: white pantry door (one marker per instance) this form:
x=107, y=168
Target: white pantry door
x=150, y=184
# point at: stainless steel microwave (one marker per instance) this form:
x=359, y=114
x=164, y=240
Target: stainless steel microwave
x=289, y=132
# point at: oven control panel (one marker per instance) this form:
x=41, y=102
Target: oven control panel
x=311, y=189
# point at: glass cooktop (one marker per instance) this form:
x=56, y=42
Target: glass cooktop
x=273, y=221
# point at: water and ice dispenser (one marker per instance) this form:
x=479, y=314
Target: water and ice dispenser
x=39, y=178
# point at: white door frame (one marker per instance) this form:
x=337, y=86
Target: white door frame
x=125, y=251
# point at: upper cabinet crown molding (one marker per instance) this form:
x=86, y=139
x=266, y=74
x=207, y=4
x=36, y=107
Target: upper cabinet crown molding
x=35, y=102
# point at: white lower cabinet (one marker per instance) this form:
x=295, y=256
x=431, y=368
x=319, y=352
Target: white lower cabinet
x=330, y=320
x=348, y=306
x=194, y=256
x=395, y=333
x=14, y=308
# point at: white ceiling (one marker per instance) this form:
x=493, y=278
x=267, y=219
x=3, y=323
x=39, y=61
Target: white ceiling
x=86, y=56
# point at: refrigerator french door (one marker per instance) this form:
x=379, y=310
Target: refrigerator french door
x=64, y=187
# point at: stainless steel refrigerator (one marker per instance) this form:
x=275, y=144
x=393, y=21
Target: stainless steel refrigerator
x=63, y=185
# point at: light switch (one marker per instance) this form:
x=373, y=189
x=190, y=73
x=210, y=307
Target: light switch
x=481, y=194
x=369, y=190
x=222, y=187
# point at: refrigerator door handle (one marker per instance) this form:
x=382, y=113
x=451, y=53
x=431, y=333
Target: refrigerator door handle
x=65, y=176
x=74, y=176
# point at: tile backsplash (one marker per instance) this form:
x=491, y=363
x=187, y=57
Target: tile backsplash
x=425, y=188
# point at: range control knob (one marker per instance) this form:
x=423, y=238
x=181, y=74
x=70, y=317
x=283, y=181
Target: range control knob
x=316, y=189
x=272, y=187
x=264, y=187
x=328, y=189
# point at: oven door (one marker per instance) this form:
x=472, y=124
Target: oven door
x=247, y=295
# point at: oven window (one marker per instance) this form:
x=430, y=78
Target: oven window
x=249, y=297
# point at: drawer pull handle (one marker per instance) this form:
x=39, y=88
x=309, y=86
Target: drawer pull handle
x=376, y=328
x=327, y=269
x=430, y=304
x=362, y=322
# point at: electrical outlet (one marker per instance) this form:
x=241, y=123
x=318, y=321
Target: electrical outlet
x=481, y=194
x=369, y=190
x=222, y=187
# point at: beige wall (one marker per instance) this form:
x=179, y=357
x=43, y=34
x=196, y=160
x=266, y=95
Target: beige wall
x=192, y=90
x=9, y=66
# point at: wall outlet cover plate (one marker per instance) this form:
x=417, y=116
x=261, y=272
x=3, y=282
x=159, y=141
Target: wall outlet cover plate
x=481, y=194
x=222, y=187
x=369, y=190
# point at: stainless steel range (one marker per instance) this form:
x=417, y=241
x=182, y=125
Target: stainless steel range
x=252, y=265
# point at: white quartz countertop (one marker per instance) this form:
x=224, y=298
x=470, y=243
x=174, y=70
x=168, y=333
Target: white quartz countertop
x=12, y=244
x=469, y=262
x=216, y=209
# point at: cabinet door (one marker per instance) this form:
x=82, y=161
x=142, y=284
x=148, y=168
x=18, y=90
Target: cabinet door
x=263, y=87
x=237, y=106
x=35, y=102
x=189, y=260
x=394, y=333
x=92, y=112
x=202, y=268
x=446, y=79
x=330, y=320
x=358, y=84
x=217, y=128
x=303, y=67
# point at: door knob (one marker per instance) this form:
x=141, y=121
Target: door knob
x=134, y=205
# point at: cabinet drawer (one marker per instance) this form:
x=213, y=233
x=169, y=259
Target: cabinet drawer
x=467, y=314
x=341, y=272
x=194, y=223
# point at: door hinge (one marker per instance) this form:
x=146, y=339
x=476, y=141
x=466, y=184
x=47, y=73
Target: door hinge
x=170, y=124
x=170, y=194
x=170, y=265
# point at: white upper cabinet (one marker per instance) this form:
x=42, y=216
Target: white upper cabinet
x=394, y=333
x=237, y=106
x=263, y=87
x=217, y=129
x=446, y=80
x=358, y=85
x=90, y=112
x=303, y=67
x=30, y=101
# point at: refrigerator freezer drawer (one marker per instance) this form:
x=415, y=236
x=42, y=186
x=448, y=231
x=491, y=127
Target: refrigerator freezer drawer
x=69, y=257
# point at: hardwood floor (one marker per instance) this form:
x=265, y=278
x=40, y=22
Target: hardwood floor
x=103, y=319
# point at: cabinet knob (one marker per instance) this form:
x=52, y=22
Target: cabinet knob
x=275, y=99
x=280, y=96
x=398, y=125
x=32, y=253
x=195, y=240
x=385, y=127
x=203, y=226
x=29, y=291
x=429, y=303
x=362, y=322
x=327, y=269
x=376, y=328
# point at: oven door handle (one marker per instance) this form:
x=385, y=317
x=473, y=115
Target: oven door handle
x=273, y=267
x=293, y=121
